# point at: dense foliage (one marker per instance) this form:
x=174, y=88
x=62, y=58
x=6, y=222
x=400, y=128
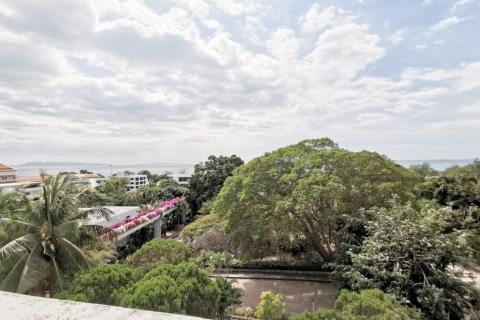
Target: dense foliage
x=183, y=288
x=158, y=294
x=408, y=254
x=301, y=191
x=102, y=284
x=157, y=252
x=370, y=304
x=208, y=179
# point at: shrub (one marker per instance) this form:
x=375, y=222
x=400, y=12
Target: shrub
x=271, y=306
x=102, y=284
x=158, y=294
x=370, y=304
x=157, y=252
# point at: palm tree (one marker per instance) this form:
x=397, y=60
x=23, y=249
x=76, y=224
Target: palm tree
x=46, y=239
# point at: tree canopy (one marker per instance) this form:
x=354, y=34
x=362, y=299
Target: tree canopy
x=208, y=179
x=302, y=190
x=159, y=251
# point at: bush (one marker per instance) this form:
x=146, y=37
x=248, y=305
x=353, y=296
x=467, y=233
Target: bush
x=200, y=225
x=102, y=284
x=157, y=252
x=215, y=260
x=280, y=265
x=199, y=293
x=212, y=240
x=367, y=305
x=158, y=294
x=271, y=306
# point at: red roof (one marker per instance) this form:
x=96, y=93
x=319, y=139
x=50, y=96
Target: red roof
x=5, y=168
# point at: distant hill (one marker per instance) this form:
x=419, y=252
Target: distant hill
x=58, y=164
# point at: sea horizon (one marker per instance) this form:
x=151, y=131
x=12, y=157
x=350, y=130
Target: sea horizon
x=107, y=170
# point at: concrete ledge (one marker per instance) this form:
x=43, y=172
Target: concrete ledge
x=22, y=307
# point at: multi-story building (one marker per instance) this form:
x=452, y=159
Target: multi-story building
x=135, y=181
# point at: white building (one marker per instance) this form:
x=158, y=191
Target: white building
x=181, y=178
x=90, y=180
x=9, y=181
x=7, y=174
x=135, y=180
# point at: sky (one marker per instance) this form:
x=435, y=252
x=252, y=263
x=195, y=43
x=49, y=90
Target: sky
x=128, y=82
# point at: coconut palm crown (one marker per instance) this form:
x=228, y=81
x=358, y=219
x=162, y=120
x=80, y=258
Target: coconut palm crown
x=45, y=239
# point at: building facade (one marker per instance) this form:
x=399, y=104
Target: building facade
x=135, y=181
x=7, y=174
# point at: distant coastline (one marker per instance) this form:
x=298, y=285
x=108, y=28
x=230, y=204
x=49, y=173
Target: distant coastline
x=33, y=168
x=437, y=164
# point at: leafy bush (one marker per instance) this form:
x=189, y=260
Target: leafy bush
x=271, y=306
x=215, y=259
x=200, y=225
x=157, y=252
x=367, y=305
x=295, y=265
x=229, y=296
x=158, y=294
x=199, y=293
x=102, y=284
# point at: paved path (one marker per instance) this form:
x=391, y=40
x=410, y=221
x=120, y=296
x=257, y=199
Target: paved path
x=301, y=292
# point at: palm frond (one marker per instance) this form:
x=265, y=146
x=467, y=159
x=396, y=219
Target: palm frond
x=70, y=230
x=73, y=257
x=56, y=274
x=97, y=212
x=16, y=223
x=35, y=270
x=10, y=282
x=16, y=248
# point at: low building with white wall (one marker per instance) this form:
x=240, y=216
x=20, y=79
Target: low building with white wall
x=7, y=174
x=181, y=178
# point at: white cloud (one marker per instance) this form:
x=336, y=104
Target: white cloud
x=367, y=119
x=283, y=44
x=178, y=81
x=398, y=36
x=317, y=19
x=461, y=4
x=445, y=23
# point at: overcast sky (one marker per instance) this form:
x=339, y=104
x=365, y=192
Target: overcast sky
x=144, y=81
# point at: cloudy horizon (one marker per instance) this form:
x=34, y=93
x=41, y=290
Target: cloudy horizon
x=107, y=81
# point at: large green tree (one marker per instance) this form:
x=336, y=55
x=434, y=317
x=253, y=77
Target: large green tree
x=208, y=179
x=46, y=238
x=302, y=190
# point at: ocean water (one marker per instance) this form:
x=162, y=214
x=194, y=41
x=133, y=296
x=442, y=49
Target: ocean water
x=107, y=170
x=104, y=170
